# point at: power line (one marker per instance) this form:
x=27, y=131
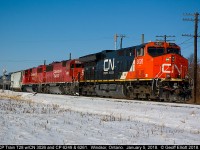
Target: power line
x=22, y=61
x=165, y=37
x=185, y=41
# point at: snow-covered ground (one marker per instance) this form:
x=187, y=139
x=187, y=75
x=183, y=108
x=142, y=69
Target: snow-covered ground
x=26, y=118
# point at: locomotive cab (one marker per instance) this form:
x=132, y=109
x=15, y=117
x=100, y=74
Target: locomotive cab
x=76, y=70
x=167, y=62
x=161, y=70
x=159, y=60
x=169, y=70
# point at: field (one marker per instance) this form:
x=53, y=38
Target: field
x=28, y=118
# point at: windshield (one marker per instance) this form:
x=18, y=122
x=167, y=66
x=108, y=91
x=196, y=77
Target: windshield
x=156, y=51
x=173, y=50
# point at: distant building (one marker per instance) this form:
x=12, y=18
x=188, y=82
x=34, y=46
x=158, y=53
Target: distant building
x=6, y=82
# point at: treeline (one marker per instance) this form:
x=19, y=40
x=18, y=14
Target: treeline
x=191, y=72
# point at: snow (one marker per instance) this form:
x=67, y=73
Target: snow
x=46, y=119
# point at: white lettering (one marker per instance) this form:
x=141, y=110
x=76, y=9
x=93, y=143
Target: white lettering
x=165, y=70
x=109, y=64
x=77, y=62
x=56, y=73
x=33, y=74
x=140, y=61
x=177, y=69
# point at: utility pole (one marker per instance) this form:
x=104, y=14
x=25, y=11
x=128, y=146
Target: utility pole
x=195, y=49
x=165, y=38
x=121, y=39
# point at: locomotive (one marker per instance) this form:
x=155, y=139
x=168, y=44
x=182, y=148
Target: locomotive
x=149, y=71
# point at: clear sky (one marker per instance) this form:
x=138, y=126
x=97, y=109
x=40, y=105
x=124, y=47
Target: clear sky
x=32, y=31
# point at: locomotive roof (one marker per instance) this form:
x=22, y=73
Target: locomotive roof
x=99, y=55
x=132, y=47
x=55, y=62
x=93, y=57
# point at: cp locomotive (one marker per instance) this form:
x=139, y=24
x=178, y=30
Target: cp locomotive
x=153, y=70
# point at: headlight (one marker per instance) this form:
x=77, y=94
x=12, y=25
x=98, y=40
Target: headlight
x=173, y=58
x=168, y=76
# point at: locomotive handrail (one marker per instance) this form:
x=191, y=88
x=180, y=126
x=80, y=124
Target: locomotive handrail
x=74, y=79
x=158, y=73
x=156, y=77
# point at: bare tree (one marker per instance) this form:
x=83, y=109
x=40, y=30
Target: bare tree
x=191, y=71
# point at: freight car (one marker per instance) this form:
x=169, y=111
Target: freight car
x=154, y=70
x=16, y=80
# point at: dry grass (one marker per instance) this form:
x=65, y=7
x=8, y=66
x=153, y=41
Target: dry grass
x=198, y=100
x=47, y=117
x=191, y=101
x=9, y=97
x=4, y=96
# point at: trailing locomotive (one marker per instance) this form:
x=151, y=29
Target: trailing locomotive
x=154, y=70
x=57, y=77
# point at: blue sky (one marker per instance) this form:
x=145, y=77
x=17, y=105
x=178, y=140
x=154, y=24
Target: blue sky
x=32, y=31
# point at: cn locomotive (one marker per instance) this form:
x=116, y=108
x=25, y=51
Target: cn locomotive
x=149, y=71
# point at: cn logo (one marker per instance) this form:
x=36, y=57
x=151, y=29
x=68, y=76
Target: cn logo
x=165, y=68
x=109, y=64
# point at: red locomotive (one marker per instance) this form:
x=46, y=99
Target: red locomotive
x=159, y=60
x=154, y=70
x=57, y=77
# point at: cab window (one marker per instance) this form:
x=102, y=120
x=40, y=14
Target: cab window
x=78, y=65
x=155, y=51
x=140, y=51
x=173, y=50
x=72, y=66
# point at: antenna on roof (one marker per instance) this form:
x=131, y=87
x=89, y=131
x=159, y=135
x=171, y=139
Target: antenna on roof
x=70, y=56
x=115, y=40
x=142, y=38
x=165, y=38
x=121, y=39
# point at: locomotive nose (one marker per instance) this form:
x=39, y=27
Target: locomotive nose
x=174, y=66
x=168, y=66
